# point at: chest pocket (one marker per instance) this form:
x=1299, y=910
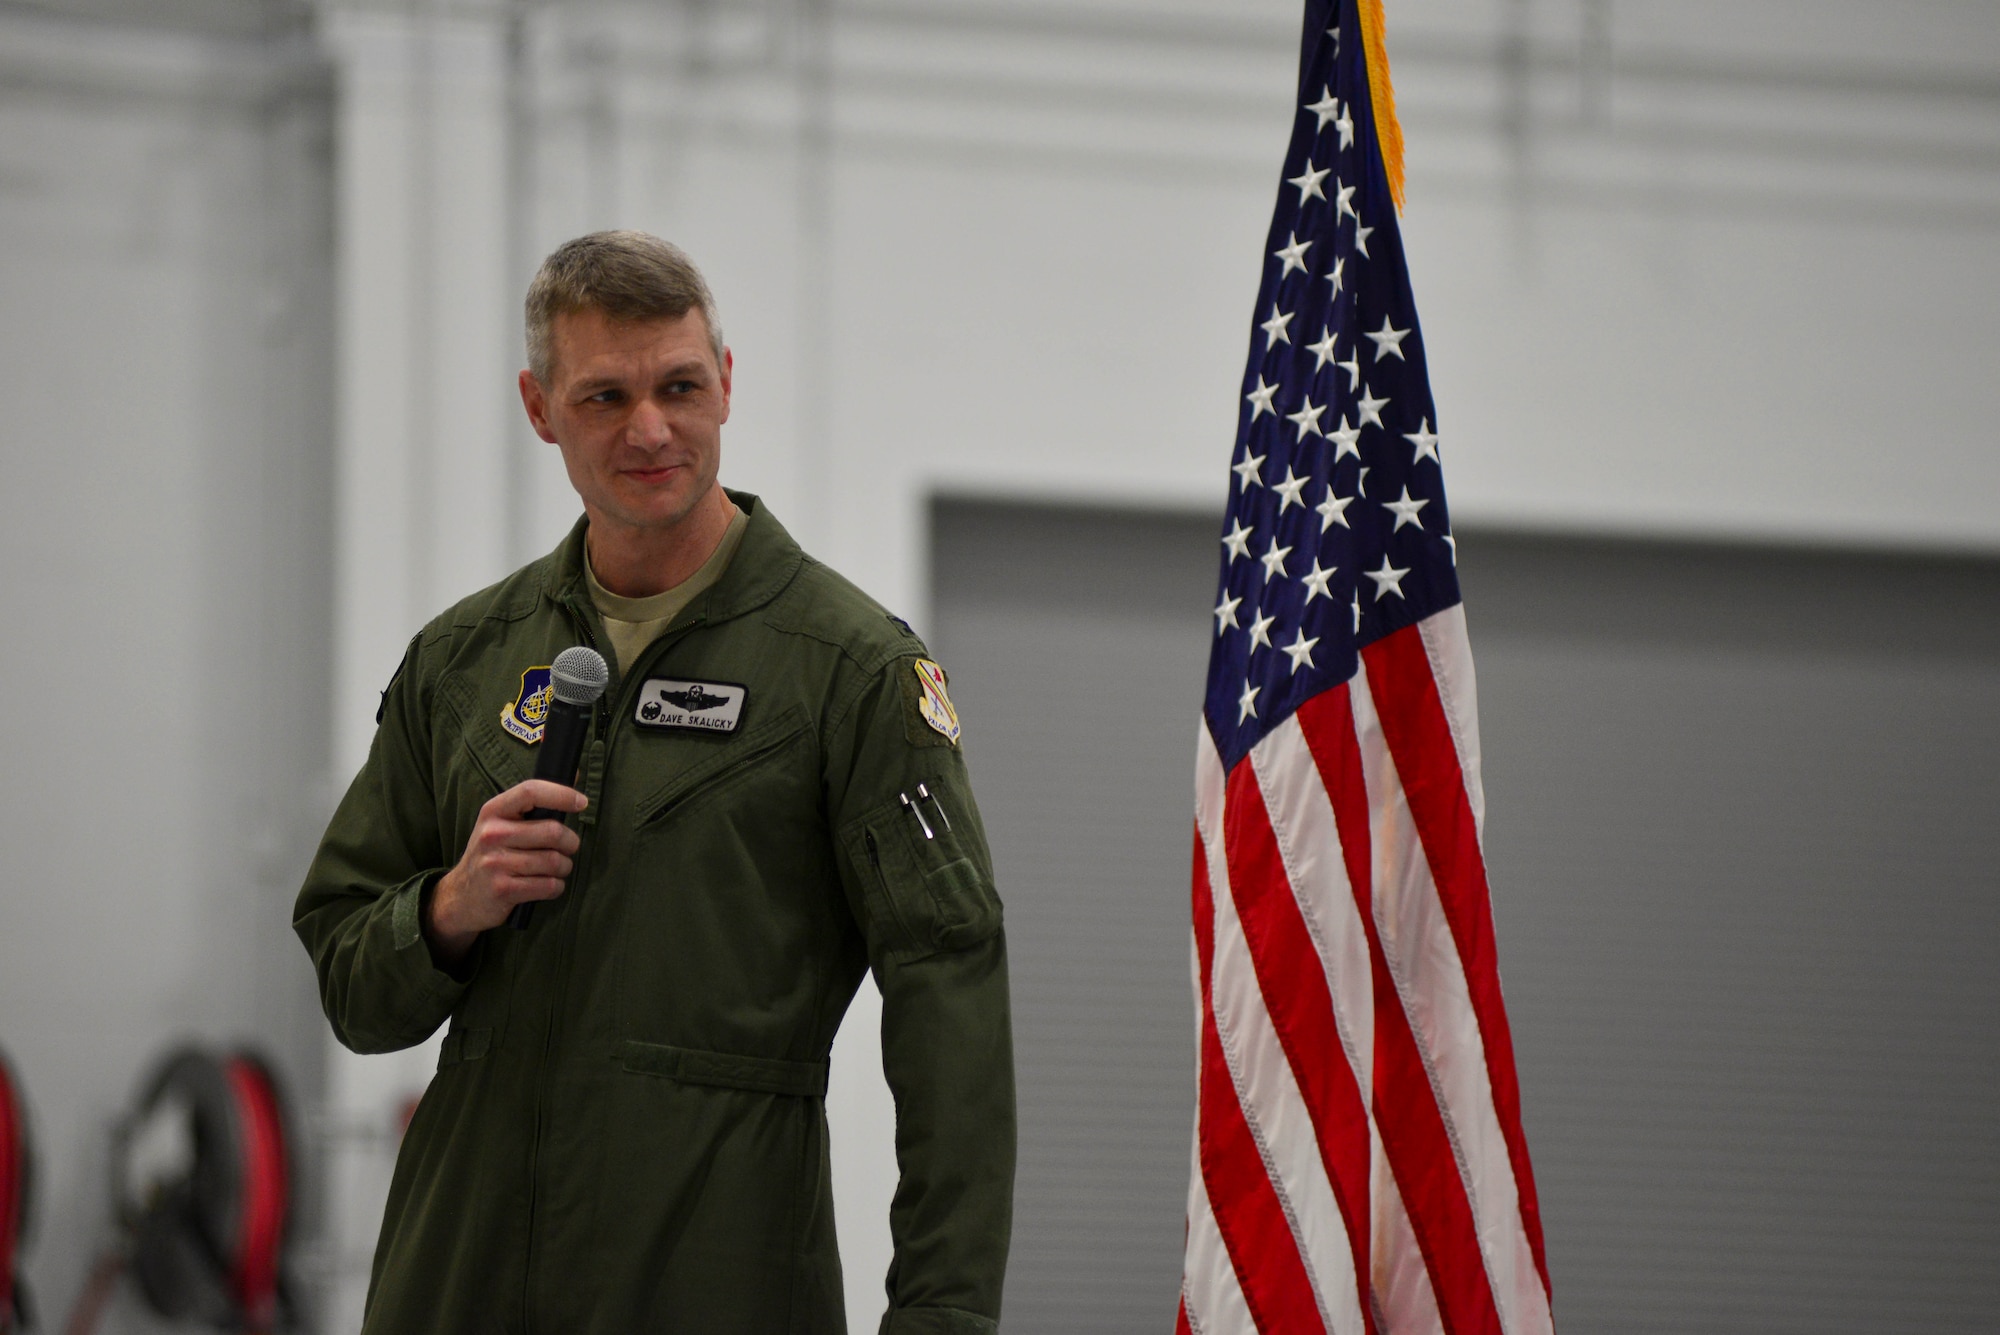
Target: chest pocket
x=726, y=767
x=929, y=876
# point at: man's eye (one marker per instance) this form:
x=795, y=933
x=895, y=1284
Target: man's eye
x=682, y=387
x=606, y=396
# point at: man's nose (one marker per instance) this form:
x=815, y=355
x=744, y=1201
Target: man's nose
x=648, y=424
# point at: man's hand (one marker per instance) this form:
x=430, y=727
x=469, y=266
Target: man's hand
x=507, y=861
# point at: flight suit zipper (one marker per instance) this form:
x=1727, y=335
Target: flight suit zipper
x=596, y=767
x=591, y=773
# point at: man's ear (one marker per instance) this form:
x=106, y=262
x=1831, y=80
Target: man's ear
x=728, y=375
x=537, y=404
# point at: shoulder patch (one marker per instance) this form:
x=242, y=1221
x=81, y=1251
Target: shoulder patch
x=933, y=706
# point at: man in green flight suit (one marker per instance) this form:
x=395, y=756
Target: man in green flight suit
x=627, y=1129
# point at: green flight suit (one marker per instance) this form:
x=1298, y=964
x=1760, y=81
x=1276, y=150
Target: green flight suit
x=627, y=1129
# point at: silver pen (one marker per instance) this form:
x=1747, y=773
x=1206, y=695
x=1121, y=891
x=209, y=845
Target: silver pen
x=923, y=792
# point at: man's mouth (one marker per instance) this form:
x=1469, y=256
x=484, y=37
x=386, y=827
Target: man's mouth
x=650, y=475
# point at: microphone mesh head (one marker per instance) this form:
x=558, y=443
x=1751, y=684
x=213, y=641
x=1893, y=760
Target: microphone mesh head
x=579, y=675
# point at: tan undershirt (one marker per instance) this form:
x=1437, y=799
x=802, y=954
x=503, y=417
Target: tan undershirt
x=633, y=623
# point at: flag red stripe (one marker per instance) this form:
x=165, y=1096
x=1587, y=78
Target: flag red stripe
x=1420, y=742
x=1406, y=1112
x=1276, y=1287
x=1293, y=982
x=1180, y=1319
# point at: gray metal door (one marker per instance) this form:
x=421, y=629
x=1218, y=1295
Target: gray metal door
x=1743, y=831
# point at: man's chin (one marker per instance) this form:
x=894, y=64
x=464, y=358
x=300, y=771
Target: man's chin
x=649, y=510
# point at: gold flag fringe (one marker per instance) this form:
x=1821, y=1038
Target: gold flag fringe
x=1388, y=130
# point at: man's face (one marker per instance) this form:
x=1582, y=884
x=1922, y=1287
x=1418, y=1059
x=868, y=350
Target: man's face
x=637, y=409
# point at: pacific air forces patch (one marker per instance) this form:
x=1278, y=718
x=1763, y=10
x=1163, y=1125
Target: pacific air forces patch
x=528, y=712
x=933, y=704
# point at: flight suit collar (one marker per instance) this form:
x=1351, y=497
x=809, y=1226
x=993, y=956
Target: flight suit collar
x=765, y=562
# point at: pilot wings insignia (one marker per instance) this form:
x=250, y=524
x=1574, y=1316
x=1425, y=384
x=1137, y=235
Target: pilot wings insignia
x=700, y=706
x=694, y=699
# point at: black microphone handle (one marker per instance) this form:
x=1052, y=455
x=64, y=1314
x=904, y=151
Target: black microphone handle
x=563, y=735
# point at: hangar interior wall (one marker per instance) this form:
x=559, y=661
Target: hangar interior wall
x=166, y=284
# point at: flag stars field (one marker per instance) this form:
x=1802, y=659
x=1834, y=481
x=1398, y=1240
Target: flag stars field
x=1311, y=418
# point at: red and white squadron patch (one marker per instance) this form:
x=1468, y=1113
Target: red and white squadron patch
x=934, y=704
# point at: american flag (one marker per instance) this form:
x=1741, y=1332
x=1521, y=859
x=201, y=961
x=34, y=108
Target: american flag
x=1359, y=1164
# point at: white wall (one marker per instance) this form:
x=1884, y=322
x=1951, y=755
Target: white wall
x=164, y=304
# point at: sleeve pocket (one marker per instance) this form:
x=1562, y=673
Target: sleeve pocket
x=967, y=911
x=924, y=895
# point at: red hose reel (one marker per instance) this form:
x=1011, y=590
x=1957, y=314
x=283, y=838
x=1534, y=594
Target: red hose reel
x=203, y=1181
x=16, y=1196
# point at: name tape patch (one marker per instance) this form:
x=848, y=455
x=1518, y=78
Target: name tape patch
x=704, y=706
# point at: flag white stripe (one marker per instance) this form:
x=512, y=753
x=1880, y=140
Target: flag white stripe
x=1449, y=650
x=1309, y=842
x=1407, y=1303
x=1209, y=1286
x=1423, y=959
x=1272, y=1104
x=1450, y=654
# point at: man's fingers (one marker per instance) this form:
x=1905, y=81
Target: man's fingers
x=534, y=862
x=530, y=794
x=530, y=889
x=527, y=834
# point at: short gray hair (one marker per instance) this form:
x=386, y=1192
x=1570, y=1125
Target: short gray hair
x=627, y=275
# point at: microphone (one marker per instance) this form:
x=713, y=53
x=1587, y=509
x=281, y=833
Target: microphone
x=577, y=678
